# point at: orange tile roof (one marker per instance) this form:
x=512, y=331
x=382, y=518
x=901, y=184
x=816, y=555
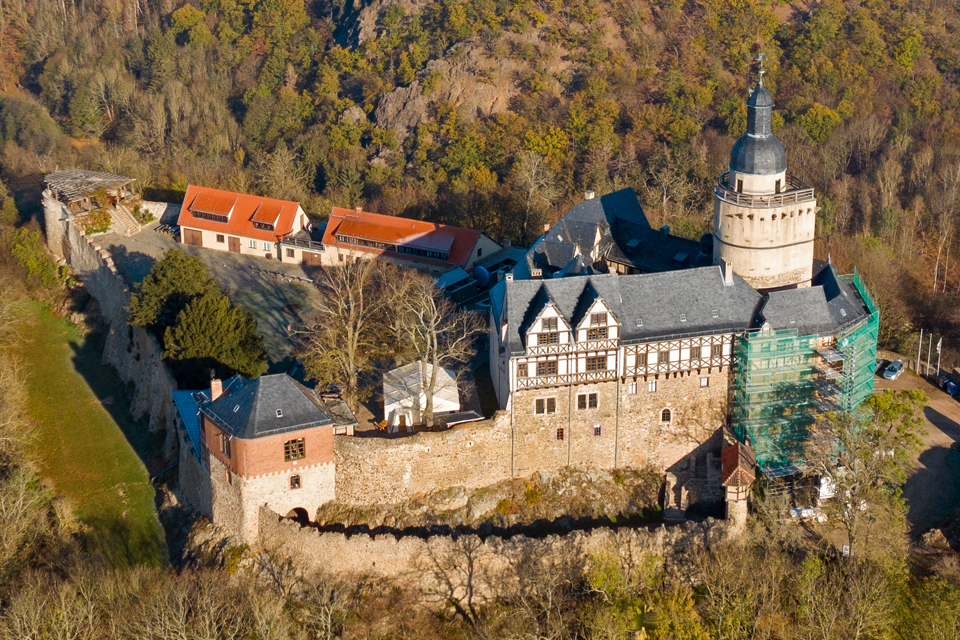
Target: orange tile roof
x=457, y=242
x=243, y=209
x=738, y=465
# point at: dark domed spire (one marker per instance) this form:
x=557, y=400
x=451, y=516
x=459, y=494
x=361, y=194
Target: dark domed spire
x=759, y=152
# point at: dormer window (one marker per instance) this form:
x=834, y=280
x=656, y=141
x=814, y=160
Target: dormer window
x=236, y=408
x=715, y=314
x=683, y=317
x=600, y=333
x=279, y=413
x=598, y=319
x=639, y=322
x=793, y=319
x=548, y=332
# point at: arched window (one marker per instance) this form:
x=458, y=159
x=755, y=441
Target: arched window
x=665, y=415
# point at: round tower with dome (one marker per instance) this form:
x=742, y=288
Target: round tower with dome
x=764, y=218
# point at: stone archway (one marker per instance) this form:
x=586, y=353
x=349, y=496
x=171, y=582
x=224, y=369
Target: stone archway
x=300, y=515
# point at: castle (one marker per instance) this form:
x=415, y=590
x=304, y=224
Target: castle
x=616, y=344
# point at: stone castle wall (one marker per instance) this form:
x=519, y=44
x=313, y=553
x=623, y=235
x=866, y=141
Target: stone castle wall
x=132, y=351
x=446, y=568
x=517, y=442
x=384, y=471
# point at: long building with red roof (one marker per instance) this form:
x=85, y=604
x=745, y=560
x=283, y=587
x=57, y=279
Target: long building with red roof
x=238, y=222
x=434, y=247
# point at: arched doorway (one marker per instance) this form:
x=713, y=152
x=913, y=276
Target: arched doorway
x=300, y=515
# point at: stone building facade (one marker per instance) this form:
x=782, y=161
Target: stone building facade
x=254, y=443
x=764, y=218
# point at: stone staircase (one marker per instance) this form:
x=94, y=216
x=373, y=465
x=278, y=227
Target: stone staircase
x=122, y=221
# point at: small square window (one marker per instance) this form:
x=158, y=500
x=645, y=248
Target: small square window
x=683, y=317
x=549, y=324
x=632, y=388
x=545, y=405
x=294, y=449
x=560, y=433
x=652, y=386
x=694, y=353
x=290, y=253
x=294, y=482
x=522, y=370
x=220, y=238
x=664, y=357
x=596, y=430
x=252, y=244
x=715, y=314
x=266, y=246
x=639, y=322
x=641, y=359
x=793, y=319
x=279, y=413
x=598, y=319
x=704, y=382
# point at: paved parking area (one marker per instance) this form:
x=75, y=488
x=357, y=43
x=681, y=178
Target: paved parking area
x=933, y=488
x=276, y=301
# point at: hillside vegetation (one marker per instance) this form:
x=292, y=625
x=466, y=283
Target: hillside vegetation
x=498, y=114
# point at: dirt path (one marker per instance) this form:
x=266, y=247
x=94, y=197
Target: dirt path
x=933, y=488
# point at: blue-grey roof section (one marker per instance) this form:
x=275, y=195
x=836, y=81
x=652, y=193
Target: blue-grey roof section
x=612, y=229
x=758, y=151
x=189, y=416
x=270, y=404
x=647, y=306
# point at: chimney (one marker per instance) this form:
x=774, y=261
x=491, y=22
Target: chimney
x=359, y=210
x=508, y=276
x=216, y=389
x=546, y=227
x=589, y=195
x=506, y=243
x=727, y=273
x=664, y=232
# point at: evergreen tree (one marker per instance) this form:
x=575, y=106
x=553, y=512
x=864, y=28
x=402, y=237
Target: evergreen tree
x=173, y=282
x=212, y=333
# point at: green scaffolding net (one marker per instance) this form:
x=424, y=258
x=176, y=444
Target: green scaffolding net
x=783, y=380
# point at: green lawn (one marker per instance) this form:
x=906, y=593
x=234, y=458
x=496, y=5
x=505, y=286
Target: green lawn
x=80, y=445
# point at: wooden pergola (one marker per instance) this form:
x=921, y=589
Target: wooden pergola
x=76, y=186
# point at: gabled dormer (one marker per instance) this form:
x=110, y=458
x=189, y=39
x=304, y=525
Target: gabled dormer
x=593, y=318
x=213, y=206
x=544, y=324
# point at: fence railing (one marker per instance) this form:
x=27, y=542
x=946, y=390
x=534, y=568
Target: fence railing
x=797, y=191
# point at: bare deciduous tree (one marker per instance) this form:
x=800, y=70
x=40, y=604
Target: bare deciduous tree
x=433, y=330
x=534, y=182
x=343, y=333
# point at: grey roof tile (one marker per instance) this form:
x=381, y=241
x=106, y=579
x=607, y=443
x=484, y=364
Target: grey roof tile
x=247, y=409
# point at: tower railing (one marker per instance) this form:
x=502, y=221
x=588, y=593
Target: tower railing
x=797, y=192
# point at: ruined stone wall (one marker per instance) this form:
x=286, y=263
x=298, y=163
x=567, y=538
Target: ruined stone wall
x=463, y=567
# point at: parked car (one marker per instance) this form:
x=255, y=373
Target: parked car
x=894, y=370
x=879, y=366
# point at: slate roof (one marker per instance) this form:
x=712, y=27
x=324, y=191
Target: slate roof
x=656, y=299
x=823, y=308
x=659, y=299
x=189, y=413
x=612, y=227
x=758, y=151
x=247, y=409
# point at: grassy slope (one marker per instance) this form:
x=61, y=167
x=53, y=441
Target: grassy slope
x=82, y=449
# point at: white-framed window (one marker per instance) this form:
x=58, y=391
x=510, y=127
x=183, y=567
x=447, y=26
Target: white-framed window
x=597, y=430
x=252, y=244
x=266, y=246
x=652, y=386
x=704, y=382
x=545, y=405
x=632, y=388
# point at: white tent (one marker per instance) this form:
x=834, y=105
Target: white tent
x=404, y=398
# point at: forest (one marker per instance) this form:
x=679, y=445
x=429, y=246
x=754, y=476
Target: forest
x=495, y=115
x=499, y=114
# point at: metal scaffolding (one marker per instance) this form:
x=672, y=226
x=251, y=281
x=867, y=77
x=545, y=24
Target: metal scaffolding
x=784, y=380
